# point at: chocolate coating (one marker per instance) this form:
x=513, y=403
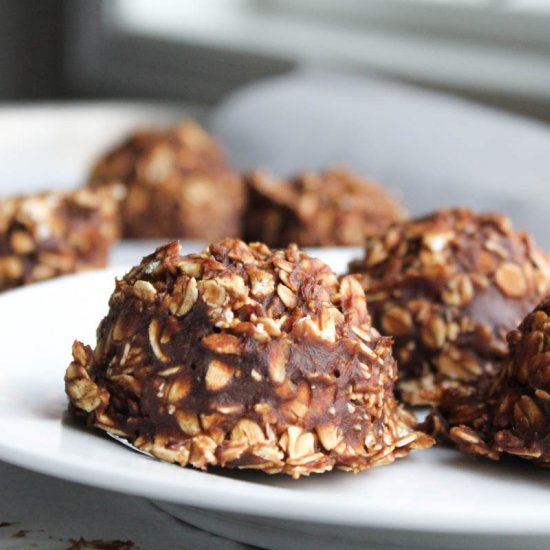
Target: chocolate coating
x=317, y=209
x=448, y=288
x=51, y=234
x=244, y=358
x=178, y=184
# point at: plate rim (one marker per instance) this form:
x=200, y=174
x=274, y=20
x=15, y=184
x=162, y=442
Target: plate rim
x=271, y=502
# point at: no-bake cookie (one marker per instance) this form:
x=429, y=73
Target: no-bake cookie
x=317, y=209
x=243, y=357
x=51, y=234
x=514, y=419
x=448, y=288
x=178, y=185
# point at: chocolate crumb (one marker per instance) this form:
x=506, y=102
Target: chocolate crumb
x=99, y=544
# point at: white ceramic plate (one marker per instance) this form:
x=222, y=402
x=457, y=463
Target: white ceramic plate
x=435, y=492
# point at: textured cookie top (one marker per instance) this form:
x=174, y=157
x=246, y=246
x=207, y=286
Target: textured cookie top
x=329, y=208
x=449, y=287
x=156, y=156
x=482, y=248
x=250, y=289
x=243, y=357
x=515, y=418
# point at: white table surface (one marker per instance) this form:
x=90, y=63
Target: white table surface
x=50, y=514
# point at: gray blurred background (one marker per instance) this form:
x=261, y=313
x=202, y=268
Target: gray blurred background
x=446, y=102
x=494, y=51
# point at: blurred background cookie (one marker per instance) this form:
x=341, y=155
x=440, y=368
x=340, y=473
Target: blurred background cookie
x=56, y=233
x=178, y=184
x=328, y=208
